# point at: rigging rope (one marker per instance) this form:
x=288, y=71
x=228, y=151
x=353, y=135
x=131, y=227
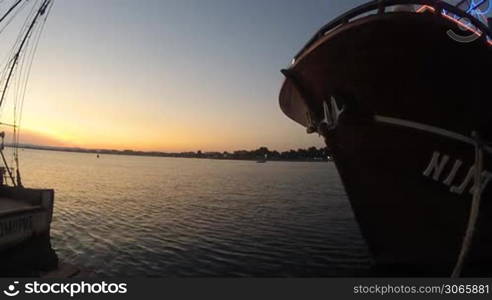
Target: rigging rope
x=11, y=58
x=474, y=210
x=26, y=70
x=17, y=71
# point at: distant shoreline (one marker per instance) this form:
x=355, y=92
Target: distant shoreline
x=301, y=155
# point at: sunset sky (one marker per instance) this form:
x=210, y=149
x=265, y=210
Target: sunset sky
x=170, y=75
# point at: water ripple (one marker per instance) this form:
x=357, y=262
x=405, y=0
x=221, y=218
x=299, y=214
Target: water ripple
x=155, y=217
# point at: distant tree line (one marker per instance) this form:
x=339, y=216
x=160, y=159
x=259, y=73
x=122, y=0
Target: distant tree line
x=310, y=154
x=262, y=153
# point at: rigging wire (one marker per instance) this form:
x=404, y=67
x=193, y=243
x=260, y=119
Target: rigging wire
x=28, y=60
x=10, y=61
x=15, y=75
x=13, y=59
x=10, y=10
x=12, y=16
x=31, y=59
x=10, y=57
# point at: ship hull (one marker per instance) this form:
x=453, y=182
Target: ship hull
x=412, y=219
x=400, y=100
x=25, y=220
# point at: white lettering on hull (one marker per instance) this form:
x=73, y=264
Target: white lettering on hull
x=436, y=168
x=452, y=174
x=14, y=226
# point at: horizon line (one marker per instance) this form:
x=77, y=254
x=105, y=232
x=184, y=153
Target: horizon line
x=91, y=149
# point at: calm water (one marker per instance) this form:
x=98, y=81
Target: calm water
x=141, y=216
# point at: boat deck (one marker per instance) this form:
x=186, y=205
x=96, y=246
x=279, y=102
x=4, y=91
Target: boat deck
x=10, y=206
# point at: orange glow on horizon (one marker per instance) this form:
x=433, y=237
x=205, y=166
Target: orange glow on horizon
x=176, y=143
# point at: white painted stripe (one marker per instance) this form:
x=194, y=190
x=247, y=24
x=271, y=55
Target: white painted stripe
x=429, y=128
